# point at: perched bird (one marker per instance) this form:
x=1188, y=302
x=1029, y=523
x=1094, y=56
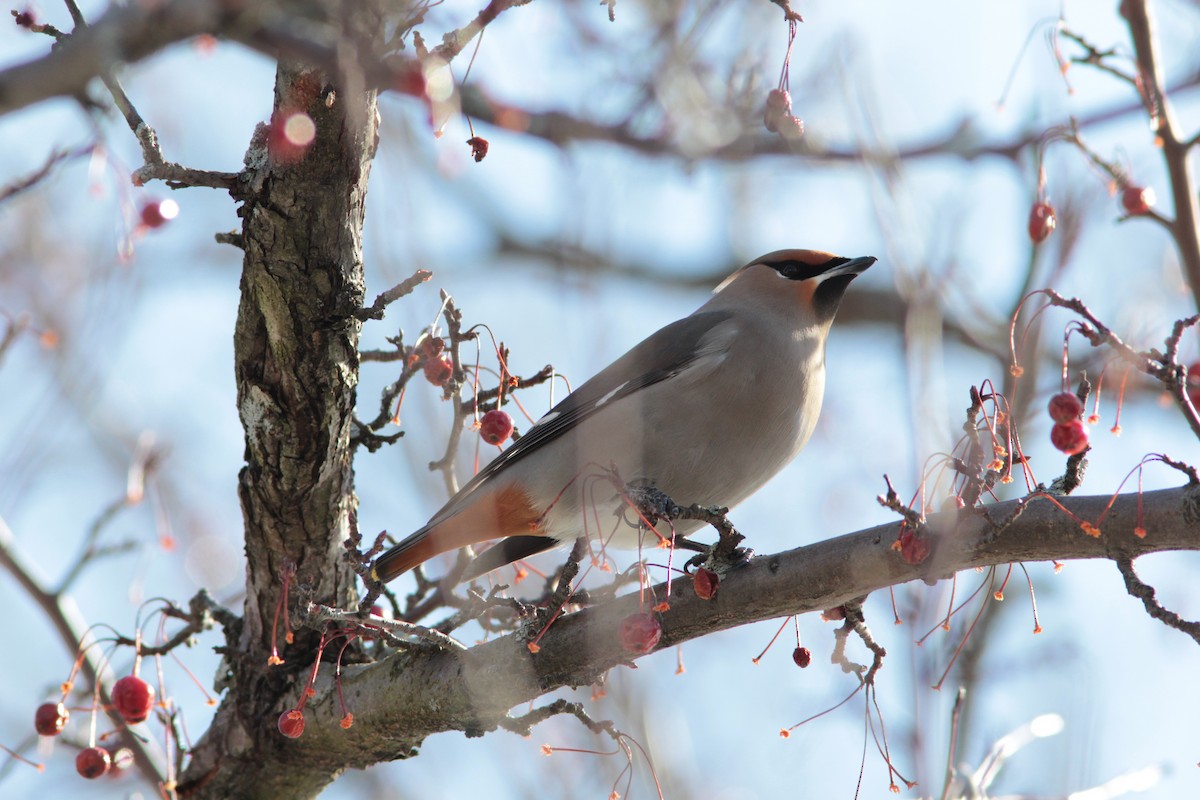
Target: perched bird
x=706, y=410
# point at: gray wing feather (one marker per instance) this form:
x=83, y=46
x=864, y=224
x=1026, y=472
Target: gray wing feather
x=661, y=356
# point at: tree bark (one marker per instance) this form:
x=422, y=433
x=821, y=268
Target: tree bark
x=410, y=695
x=296, y=363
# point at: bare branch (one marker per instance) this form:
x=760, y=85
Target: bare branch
x=475, y=690
x=1145, y=593
x=454, y=41
x=317, y=614
x=40, y=174
x=523, y=725
x=202, y=612
x=125, y=34
x=405, y=287
x=455, y=334
x=178, y=176
x=892, y=501
x=962, y=142
x=1162, y=366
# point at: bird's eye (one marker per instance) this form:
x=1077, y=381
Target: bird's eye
x=795, y=270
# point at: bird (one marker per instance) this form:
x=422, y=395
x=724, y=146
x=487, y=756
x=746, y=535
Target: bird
x=705, y=410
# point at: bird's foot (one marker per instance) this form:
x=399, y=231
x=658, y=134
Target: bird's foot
x=711, y=558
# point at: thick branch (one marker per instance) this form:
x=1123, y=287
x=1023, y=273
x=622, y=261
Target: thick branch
x=402, y=699
x=125, y=34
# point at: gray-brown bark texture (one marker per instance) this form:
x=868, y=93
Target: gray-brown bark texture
x=296, y=353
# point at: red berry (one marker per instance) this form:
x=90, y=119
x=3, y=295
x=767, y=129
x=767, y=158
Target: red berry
x=1137, y=200
x=1069, y=437
x=779, y=106
x=291, y=723
x=479, y=147
x=156, y=213
x=705, y=583
x=51, y=718
x=496, y=426
x=431, y=347
x=913, y=549
x=1065, y=406
x=640, y=632
x=1041, y=222
x=93, y=762
x=439, y=370
x=133, y=699
x=26, y=18
x=802, y=657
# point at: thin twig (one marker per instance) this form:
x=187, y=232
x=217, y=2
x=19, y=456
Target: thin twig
x=523, y=725
x=892, y=501
x=1187, y=469
x=1146, y=593
x=445, y=464
x=405, y=287
x=960, y=701
x=788, y=13
x=454, y=41
x=857, y=621
x=89, y=550
x=177, y=176
x=40, y=174
x=317, y=613
x=203, y=611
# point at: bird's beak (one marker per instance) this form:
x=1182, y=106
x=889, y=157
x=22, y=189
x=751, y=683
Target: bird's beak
x=851, y=267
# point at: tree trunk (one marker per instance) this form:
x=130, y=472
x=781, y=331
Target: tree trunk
x=296, y=361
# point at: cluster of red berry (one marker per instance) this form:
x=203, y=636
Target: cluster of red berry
x=132, y=698
x=1069, y=434
x=496, y=425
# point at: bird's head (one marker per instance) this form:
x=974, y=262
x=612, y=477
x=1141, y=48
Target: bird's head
x=811, y=281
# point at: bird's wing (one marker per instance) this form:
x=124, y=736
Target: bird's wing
x=689, y=347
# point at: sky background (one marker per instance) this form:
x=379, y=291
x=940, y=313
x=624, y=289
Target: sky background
x=146, y=349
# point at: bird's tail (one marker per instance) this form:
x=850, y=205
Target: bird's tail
x=414, y=550
x=492, y=514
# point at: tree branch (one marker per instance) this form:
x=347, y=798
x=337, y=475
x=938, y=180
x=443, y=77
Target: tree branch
x=1144, y=592
x=125, y=34
x=962, y=142
x=1186, y=227
x=473, y=691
